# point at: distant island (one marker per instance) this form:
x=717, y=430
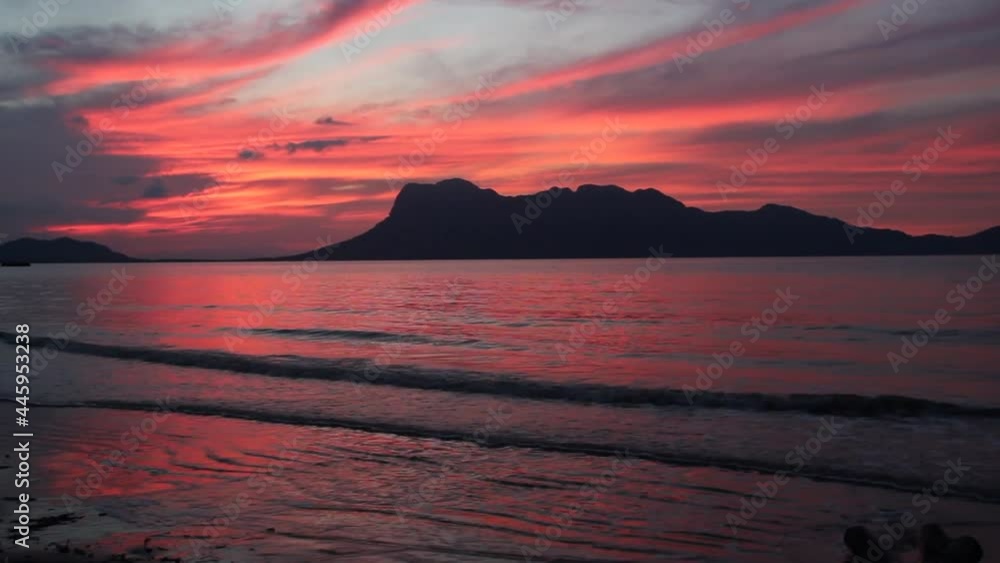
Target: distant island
x=60, y=250
x=455, y=219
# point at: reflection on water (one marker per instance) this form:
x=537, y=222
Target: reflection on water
x=456, y=411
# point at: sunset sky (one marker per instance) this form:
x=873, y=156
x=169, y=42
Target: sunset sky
x=237, y=128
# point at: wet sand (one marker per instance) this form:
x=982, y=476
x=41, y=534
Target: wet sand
x=339, y=492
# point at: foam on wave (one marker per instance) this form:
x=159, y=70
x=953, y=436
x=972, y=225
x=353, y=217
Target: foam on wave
x=500, y=440
x=505, y=385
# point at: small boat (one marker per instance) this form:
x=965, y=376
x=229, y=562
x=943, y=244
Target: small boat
x=14, y=264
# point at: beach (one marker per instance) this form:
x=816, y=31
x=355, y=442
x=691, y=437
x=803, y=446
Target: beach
x=404, y=412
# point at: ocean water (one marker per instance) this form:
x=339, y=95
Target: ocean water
x=577, y=410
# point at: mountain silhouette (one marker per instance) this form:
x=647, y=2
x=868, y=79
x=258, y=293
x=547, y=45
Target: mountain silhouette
x=455, y=219
x=58, y=250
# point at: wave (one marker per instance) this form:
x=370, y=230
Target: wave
x=869, y=478
x=368, y=335
x=964, y=335
x=367, y=372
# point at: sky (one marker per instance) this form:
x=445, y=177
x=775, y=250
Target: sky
x=242, y=128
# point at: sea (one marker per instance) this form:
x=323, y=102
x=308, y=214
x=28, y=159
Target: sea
x=656, y=409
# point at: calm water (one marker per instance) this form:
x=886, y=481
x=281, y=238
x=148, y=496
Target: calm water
x=467, y=411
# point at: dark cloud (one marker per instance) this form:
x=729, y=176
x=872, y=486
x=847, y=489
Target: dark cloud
x=33, y=140
x=88, y=43
x=156, y=190
x=184, y=184
x=750, y=71
x=327, y=120
x=31, y=217
x=320, y=145
x=249, y=154
x=125, y=180
x=824, y=131
x=279, y=35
